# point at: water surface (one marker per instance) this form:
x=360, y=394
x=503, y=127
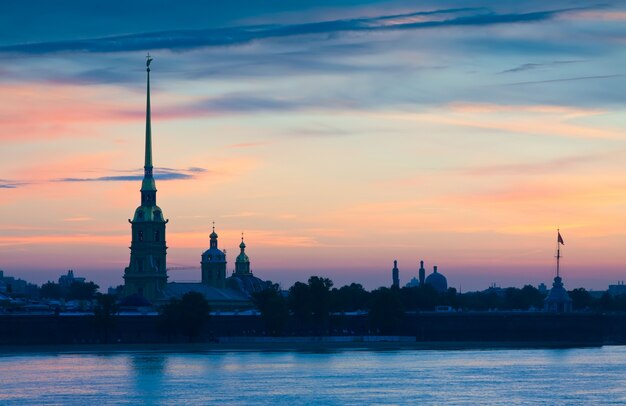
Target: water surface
x=529, y=376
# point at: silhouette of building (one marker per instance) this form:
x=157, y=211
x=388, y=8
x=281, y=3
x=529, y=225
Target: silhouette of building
x=242, y=278
x=395, y=275
x=145, y=278
x=437, y=281
x=619, y=289
x=213, y=264
x=69, y=278
x=15, y=286
x=558, y=300
x=146, y=274
x=542, y=288
x=422, y=273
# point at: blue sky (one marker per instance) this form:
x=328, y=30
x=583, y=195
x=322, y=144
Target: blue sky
x=338, y=135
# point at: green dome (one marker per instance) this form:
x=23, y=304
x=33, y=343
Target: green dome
x=148, y=213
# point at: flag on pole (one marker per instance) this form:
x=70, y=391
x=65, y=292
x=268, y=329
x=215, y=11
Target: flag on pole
x=560, y=239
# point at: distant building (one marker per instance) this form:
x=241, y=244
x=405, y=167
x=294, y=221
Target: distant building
x=213, y=264
x=437, y=281
x=395, y=275
x=619, y=289
x=15, y=286
x=422, y=273
x=542, y=288
x=413, y=283
x=558, y=301
x=145, y=278
x=242, y=278
x=67, y=280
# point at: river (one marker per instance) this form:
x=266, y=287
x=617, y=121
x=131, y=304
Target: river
x=498, y=376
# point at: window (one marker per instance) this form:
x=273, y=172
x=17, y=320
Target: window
x=140, y=235
x=157, y=236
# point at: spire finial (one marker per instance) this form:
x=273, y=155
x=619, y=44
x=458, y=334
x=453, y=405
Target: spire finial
x=242, y=236
x=148, y=187
x=214, y=226
x=148, y=163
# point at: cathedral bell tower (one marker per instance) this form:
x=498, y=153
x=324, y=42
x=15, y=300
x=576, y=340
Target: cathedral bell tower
x=146, y=274
x=213, y=264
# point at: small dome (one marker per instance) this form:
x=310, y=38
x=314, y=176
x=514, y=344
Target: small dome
x=213, y=235
x=246, y=283
x=213, y=255
x=437, y=281
x=242, y=258
x=242, y=245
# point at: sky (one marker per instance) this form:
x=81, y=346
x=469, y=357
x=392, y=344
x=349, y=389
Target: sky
x=336, y=135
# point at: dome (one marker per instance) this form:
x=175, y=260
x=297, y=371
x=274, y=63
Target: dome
x=243, y=257
x=437, y=281
x=242, y=245
x=213, y=255
x=246, y=283
x=213, y=234
x=148, y=213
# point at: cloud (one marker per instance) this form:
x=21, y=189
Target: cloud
x=10, y=184
x=181, y=40
x=536, y=82
x=531, y=66
x=159, y=174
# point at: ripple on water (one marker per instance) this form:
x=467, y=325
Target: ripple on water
x=541, y=376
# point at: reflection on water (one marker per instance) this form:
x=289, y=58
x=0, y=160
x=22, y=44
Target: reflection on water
x=563, y=376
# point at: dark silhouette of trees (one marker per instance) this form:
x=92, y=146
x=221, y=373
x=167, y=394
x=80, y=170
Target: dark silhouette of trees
x=310, y=303
x=104, y=314
x=82, y=291
x=299, y=300
x=423, y=297
x=386, y=312
x=186, y=316
x=51, y=290
x=76, y=291
x=273, y=308
x=581, y=299
x=522, y=299
x=349, y=298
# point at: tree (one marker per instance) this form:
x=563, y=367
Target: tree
x=349, y=298
x=581, y=299
x=51, y=290
x=104, y=314
x=194, y=313
x=186, y=316
x=319, y=294
x=82, y=291
x=167, y=323
x=310, y=303
x=386, y=312
x=299, y=301
x=273, y=308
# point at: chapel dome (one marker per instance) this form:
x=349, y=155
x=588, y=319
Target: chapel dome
x=437, y=281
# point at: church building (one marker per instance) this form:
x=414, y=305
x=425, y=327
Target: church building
x=146, y=277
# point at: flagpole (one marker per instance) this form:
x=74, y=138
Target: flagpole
x=558, y=252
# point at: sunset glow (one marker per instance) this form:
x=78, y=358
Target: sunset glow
x=461, y=137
